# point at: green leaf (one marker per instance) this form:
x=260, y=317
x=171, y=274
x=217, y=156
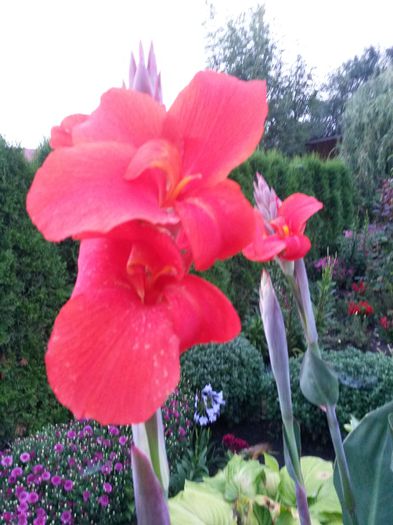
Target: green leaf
x=369, y=451
x=200, y=504
x=318, y=382
x=271, y=462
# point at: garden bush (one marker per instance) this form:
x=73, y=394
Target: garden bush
x=33, y=286
x=366, y=382
x=235, y=368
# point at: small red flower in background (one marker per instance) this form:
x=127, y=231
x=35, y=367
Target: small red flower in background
x=233, y=443
x=384, y=322
x=114, y=351
x=359, y=287
x=360, y=308
x=131, y=159
x=280, y=225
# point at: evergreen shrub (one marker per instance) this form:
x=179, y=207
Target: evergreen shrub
x=33, y=287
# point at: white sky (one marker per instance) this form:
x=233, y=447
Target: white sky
x=58, y=56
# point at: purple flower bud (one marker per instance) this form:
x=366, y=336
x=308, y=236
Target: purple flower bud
x=7, y=516
x=86, y=495
x=145, y=79
x=87, y=430
x=114, y=430
x=37, y=469
x=123, y=440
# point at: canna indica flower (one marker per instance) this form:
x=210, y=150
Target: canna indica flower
x=133, y=160
x=280, y=224
x=113, y=355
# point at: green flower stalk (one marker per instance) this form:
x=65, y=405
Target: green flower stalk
x=274, y=328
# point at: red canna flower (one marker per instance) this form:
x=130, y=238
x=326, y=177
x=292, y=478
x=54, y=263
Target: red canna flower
x=114, y=351
x=366, y=308
x=131, y=159
x=281, y=225
x=384, y=322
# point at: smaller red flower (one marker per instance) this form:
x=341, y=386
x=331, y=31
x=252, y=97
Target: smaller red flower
x=384, y=322
x=353, y=308
x=233, y=443
x=280, y=229
x=366, y=308
x=359, y=287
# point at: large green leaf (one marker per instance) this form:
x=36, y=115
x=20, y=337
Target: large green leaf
x=318, y=382
x=200, y=504
x=369, y=451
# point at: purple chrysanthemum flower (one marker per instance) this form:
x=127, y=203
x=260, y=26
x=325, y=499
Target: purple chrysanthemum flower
x=30, y=479
x=103, y=500
x=86, y=495
x=71, y=434
x=23, y=507
x=123, y=440
x=66, y=516
x=87, y=430
x=7, y=516
x=56, y=480
x=37, y=469
x=12, y=479
x=33, y=497
x=17, y=471
x=25, y=457
x=107, y=487
x=68, y=485
x=46, y=475
x=71, y=462
x=119, y=467
x=113, y=430
x=39, y=521
x=6, y=461
x=107, y=468
x=58, y=448
x=22, y=519
x=23, y=495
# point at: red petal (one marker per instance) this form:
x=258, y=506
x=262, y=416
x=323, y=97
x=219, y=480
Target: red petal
x=82, y=189
x=124, y=115
x=296, y=247
x=217, y=221
x=102, y=262
x=61, y=136
x=297, y=209
x=264, y=247
x=111, y=358
x=219, y=120
x=200, y=312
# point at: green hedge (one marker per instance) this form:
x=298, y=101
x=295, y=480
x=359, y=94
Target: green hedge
x=366, y=382
x=33, y=286
x=235, y=368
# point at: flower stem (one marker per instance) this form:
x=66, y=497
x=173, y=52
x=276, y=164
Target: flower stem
x=341, y=462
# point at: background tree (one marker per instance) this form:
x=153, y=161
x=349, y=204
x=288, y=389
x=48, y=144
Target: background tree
x=245, y=48
x=367, y=144
x=342, y=84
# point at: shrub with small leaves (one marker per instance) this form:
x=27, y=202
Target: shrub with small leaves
x=366, y=382
x=235, y=368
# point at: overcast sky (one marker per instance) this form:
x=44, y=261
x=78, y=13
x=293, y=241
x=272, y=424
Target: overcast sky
x=58, y=56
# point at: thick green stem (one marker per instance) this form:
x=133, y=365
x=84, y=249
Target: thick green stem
x=341, y=462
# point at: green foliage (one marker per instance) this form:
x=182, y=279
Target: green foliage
x=235, y=368
x=33, y=286
x=257, y=494
x=245, y=48
x=367, y=143
x=369, y=452
x=83, y=453
x=366, y=382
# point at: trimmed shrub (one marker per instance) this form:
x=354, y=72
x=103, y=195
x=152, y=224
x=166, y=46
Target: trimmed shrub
x=33, y=286
x=235, y=368
x=366, y=382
